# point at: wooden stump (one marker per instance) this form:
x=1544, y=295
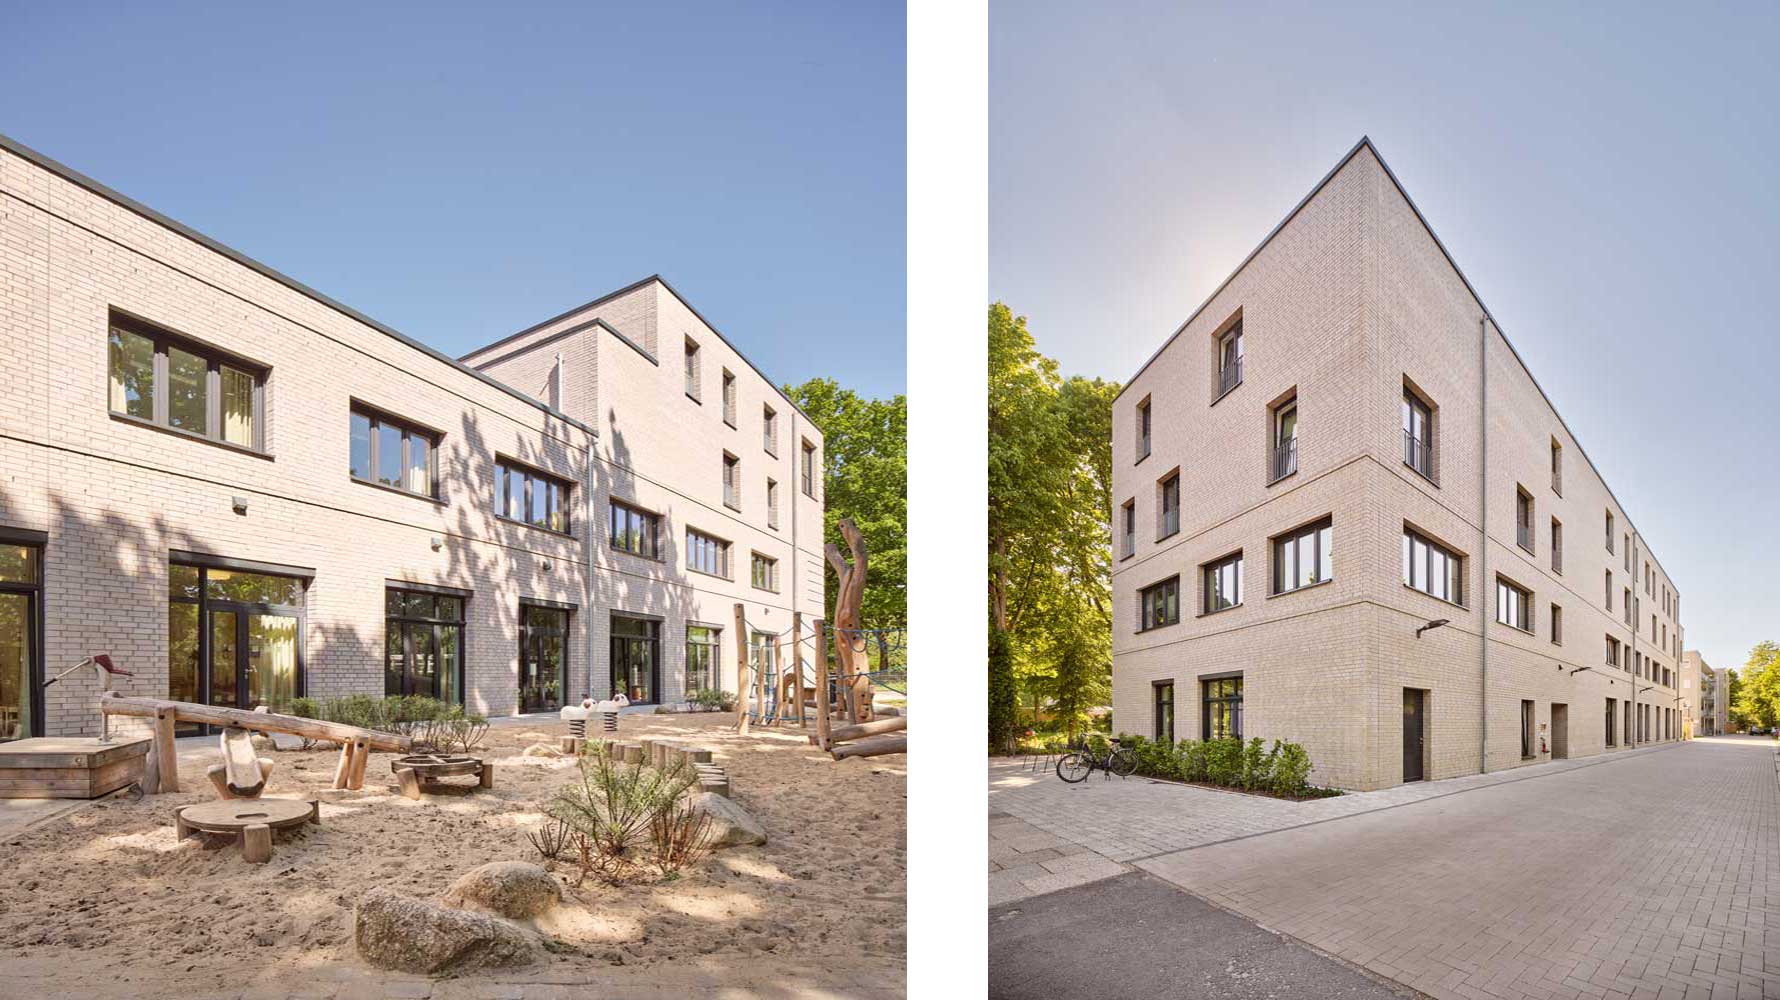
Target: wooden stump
x=361, y=755
x=256, y=843
x=571, y=746
x=409, y=783
x=699, y=755
x=487, y=776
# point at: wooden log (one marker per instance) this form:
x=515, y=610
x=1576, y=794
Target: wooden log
x=741, y=670
x=343, y=770
x=698, y=755
x=822, y=724
x=256, y=843
x=409, y=782
x=877, y=746
x=361, y=755
x=112, y=703
x=180, y=830
x=885, y=725
x=486, y=777
x=166, y=754
x=633, y=753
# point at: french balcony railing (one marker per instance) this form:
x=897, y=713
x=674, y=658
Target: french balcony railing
x=1523, y=534
x=1284, y=461
x=1418, y=455
x=1230, y=376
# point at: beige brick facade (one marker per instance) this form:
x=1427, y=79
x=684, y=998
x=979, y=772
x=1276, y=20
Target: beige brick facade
x=111, y=500
x=1347, y=306
x=1703, y=698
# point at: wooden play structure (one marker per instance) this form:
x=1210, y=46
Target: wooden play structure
x=250, y=821
x=839, y=702
x=243, y=773
x=163, y=763
x=425, y=772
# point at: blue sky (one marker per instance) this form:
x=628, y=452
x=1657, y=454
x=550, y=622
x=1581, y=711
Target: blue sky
x=1605, y=177
x=461, y=171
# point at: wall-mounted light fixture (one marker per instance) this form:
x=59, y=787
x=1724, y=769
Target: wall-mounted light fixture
x=546, y=565
x=1429, y=627
x=436, y=542
x=238, y=505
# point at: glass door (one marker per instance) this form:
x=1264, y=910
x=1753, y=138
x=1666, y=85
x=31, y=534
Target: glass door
x=17, y=665
x=543, y=658
x=636, y=659
x=234, y=639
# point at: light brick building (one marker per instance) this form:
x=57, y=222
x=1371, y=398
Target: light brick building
x=1702, y=695
x=1342, y=407
x=246, y=491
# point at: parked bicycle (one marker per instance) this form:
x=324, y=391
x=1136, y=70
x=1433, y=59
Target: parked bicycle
x=1074, y=767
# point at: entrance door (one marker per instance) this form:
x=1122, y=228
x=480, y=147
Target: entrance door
x=234, y=639
x=543, y=658
x=1560, y=731
x=1414, y=706
x=636, y=658
x=253, y=658
x=18, y=663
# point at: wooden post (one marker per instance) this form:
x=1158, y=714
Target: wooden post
x=821, y=684
x=487, y=775
x=409, y=783
x=166, y=754
x=343, y=770
x=741, y=671
x=256, y=843
x=767, y=652
x=797, y=667
x=361, y=755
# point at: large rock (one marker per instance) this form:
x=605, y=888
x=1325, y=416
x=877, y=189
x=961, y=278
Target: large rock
x=510, y=888
x=393, y=931
x=731, y=825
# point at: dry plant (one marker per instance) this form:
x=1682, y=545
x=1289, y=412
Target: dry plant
x=551, y=839
x=681, y=836
x=611, y=809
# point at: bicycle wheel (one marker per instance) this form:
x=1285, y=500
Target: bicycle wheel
x=1075, y=767
x=1124, y=763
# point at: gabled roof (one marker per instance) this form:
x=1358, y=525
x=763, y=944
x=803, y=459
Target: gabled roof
x=626, y=290
x=1366, y=143
x=81, y=180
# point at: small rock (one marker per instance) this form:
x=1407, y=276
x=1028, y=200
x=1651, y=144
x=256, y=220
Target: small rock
x=263, y=743
x=731, y=825
x=540, y=750
x=393, y=931
x=512, y=889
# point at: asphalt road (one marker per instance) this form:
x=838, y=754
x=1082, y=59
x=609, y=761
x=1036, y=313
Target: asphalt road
x=1136, y=936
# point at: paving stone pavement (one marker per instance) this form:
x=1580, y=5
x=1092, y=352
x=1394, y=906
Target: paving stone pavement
x=1648, y=876
x=1133, y=818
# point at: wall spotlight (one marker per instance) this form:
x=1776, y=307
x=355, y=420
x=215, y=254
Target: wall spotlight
x=1436, y=623
x=238, y=504
x=546, y=565
x=436, y=542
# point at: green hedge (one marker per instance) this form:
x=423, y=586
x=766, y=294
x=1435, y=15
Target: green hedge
x=1283, y=769
x=432, y=724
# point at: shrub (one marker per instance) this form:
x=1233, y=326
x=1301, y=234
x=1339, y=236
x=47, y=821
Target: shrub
x=611, y=809
x=681, y=836
x=1283, y=768
x=713, y=700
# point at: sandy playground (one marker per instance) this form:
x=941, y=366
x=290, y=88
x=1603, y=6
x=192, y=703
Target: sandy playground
x=109, y=903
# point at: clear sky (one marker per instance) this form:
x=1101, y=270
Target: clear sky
x=1609, y=180
x=460, y=171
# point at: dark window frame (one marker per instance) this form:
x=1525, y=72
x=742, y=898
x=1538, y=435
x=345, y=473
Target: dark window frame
x=1145, y=604
x=215, y=359
x=1159, y=703
x=1145, y=420
x=1163, y=529
x=504, y=468
x=651, y=521
x=1214, y=572
x=1523, y=600
x=406, y=621
x=1324, y=559
x=409, y=429
x=755, y=561
x=33, y=592
x=807, y=470
x=703, y=541
x=732, y=481
x=1454, y=562
x=1225, y=691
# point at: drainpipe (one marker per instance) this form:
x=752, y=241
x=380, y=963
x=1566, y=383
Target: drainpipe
x=1483, y=531
x=1632, y=644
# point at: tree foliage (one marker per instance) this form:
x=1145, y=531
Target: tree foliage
x=1050, y=486
x=1757, y=697
x=865, y=477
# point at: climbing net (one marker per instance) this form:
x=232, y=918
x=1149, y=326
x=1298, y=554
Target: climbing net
x=779, y=653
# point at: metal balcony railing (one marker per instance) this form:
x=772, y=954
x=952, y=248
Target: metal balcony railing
x=1230, y=376
x=1523, y=534
x=1284, y=461
x=1418, y=455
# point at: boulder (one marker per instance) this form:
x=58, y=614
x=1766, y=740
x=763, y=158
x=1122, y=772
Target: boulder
x=541, y=750
x=393, y=931
x=731, y=825
x=513, y=889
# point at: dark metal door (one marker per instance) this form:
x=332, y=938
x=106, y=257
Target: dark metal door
x=1414, y=702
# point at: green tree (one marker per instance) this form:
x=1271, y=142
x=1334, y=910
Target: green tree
x=1758, y=696
x=1734, y=718
x=865, y=477
x=1050, y=476
x=1002, y=704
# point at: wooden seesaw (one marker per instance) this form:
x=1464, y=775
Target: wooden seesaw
x=355, y=744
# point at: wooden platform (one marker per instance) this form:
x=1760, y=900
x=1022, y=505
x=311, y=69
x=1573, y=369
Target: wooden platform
x=69, y=767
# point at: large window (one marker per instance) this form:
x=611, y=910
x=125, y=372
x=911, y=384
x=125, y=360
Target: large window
x=170, y=382
x=635, y=530
x=1159, y=604
x=636, y=658
x=707, y=553
x=1230, y=358
x=390, y=453
x=1514, y=605
x=704, y=646
x=1432, y=568
x=423, y=644
x=1168, y=509
x=1221, y=708
x=1162, y=712
x=1222, y=581
x=527, y=495
x=1418, y=435
x=1304, y=557
x=765, y=573
x=21, y=584
x=234, y=635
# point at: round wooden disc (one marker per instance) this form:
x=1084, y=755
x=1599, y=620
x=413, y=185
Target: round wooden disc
x=435, y=766
x=232, y=815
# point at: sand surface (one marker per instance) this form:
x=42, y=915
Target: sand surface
x=109, y=898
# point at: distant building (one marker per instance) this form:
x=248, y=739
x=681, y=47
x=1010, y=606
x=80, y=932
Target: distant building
x=1708, y=703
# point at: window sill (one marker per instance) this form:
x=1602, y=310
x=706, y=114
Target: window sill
x=732, y=506
x=241, y=449
x=729, y=423
x=528, y=524
x=1226, y=392
x=1157, y=628
x=1311, y=586
x=767, y=590
x=1528, y=549
x=1431, y=481
x=1129, y=555
x=1140, y=458
x=1171, y=534
x=706, y=572
x=397, y=490
x=770, y=453
x=1219, y=611
x=1281, y=479
x=1431, y=597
